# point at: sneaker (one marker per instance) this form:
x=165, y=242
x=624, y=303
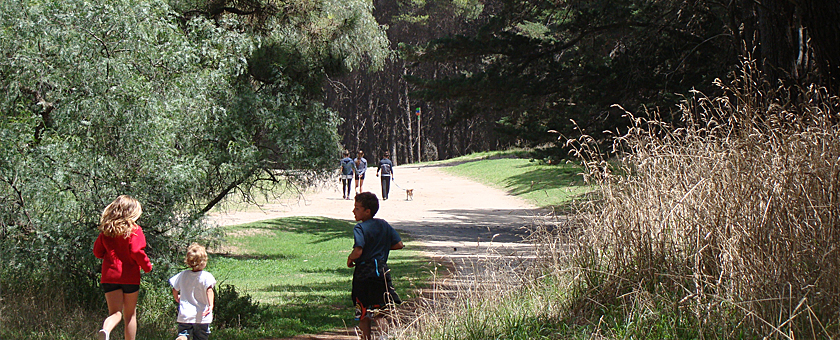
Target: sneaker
x=102, y=335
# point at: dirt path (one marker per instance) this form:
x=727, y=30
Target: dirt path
x=455, y=220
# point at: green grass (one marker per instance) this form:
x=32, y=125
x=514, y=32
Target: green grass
x=295, y=269
x=509, y=153
x=544, y=185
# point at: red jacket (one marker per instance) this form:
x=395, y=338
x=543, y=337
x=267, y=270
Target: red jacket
x=122, y=258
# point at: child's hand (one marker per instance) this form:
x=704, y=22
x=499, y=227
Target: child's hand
x=207, y=310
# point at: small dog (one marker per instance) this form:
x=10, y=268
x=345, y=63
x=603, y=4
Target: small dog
x=409, y=194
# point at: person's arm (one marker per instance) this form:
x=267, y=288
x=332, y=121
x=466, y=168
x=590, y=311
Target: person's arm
x=177, y=295
x=99, y=247
x=211, y=299
x=354, y=255
x=399, y=245
x=137, y=245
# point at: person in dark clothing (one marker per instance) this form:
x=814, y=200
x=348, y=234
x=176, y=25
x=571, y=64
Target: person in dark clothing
x=387, y=169
x=373, y=239
x=348, y=171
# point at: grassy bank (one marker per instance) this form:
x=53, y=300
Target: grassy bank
x=542, y=184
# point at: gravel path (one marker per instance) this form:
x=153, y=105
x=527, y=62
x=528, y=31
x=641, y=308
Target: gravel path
x=455, y=220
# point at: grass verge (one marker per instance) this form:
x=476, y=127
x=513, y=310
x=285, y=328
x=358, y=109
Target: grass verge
x=547, y=186
x=294, y=268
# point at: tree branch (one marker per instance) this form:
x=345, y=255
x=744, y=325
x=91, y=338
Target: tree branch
x=224, y=193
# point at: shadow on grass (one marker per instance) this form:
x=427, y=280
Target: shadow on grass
x=315, y=308
x=543, y=178
x=272, y=257
x=326, y=229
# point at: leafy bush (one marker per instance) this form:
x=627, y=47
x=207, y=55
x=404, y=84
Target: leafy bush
x=234, y=309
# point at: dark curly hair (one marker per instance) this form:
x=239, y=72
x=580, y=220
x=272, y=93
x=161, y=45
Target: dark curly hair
x=369, y=201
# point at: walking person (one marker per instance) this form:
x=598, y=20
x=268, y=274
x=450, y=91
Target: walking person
x=373, y=239
x=121, y=246
x=361, y=167
x=348, y=170
x=387, y=169
x=193, y=291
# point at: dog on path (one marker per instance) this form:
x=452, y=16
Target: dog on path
x=409, y=194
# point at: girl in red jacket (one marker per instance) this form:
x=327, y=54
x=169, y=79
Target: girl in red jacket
x=121, y=245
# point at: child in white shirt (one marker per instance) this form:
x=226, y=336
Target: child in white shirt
x=193, y=290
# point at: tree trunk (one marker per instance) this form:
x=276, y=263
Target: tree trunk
x=822, y=20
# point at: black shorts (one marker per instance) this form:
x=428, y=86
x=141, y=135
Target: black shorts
x=194, y=331
x=127, y=289
x=360, y=176
x=372, y=289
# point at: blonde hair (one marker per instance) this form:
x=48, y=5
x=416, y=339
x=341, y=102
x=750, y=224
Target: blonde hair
x=119, y=218
x=196, y=257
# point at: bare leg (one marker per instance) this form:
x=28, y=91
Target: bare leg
x=115, y=307
x=130, y=315
x=364, y=325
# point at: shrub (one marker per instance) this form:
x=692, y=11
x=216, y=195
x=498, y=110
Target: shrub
x=234, y=309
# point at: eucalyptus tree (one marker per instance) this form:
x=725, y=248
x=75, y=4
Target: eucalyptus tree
x=178, y=103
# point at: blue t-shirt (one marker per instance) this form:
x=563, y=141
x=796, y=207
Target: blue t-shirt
x=347, y=166
x=385, y=166
x=376, y=237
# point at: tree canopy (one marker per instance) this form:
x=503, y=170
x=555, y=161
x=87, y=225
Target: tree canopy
x=178, y=103
x=534, y=65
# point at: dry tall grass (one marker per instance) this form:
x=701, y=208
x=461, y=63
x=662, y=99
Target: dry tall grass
x=730, y=219
x=723, y=226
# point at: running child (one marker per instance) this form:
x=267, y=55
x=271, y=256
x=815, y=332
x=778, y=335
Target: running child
x=121, y=246
x=193, y=291
x=373, y=239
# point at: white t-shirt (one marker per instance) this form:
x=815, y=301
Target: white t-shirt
x=193, y=288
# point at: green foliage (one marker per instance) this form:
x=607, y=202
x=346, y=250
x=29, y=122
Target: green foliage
x=234, y=309
x=156, y=100
x=534, y=66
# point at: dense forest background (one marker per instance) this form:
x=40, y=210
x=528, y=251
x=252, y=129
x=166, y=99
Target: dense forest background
x=498, y=73
x=185, y=103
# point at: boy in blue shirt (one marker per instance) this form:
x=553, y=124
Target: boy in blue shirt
x=373, y=239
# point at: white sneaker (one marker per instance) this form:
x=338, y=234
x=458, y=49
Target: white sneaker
x=102, y=335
